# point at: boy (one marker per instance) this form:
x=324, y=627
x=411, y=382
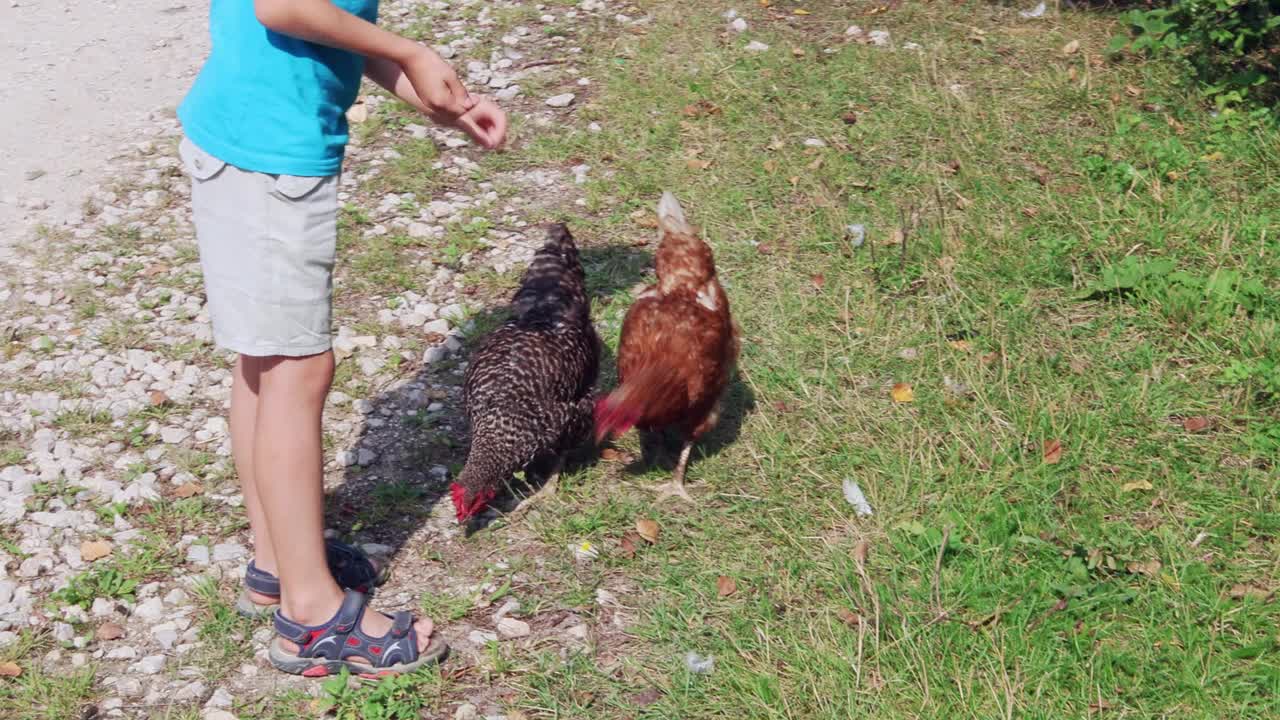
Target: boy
x=265, y=133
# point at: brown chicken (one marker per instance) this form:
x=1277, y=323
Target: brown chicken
x=678, y=349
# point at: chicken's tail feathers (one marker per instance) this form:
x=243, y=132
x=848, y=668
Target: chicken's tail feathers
x=643, y=395
x=671, y=216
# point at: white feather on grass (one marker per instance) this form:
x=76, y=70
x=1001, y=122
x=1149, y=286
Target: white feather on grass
x=854, y=495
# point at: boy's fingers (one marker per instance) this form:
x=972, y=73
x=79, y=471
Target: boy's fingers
x=499, y=127
x=469, y=125
x=459, y=93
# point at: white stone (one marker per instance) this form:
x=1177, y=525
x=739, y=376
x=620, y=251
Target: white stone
x=190, y=692
x=219, y=699
x=756, y=46
x=511, y=628
x=225, y=552
x=150, y=610
x=561, y=101
x=173, y=435
x=102, y=608
x=198, y=554
x=150, y=665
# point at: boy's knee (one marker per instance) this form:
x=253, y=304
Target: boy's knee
x=309, y=374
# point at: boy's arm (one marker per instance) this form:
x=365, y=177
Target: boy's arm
x=322, y=22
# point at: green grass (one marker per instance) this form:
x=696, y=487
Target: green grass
x=1021, y=179
x=38, y=694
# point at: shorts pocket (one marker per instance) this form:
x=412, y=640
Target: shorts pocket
x=199, y=164
x=296, y=187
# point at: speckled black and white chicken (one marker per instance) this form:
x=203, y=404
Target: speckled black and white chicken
x=528, y=389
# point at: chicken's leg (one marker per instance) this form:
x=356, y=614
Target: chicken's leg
x=676, y=486
x=548, y=488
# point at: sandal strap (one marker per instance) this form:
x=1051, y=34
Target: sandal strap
x=401, y=624
x=341, y=638
x=341, y=624
x=261, y=581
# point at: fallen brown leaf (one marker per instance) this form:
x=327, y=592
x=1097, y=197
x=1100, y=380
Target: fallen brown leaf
x=109, y=631
x=190, y=489
x=611, y=455
x=797, y=52
x=1052, y=452
x=91, y=550
x=818, y=281
x=644, y=698
x=1071, y=48
x=158, y=398
x=1195, y=424
x=1132, y=91
x=781, y=406
x=991, y=357
x=1151, y=568
x=628, y=544
x=1030, y=212
x=764, y=249
x=860, y=552
x=647, y=529
x=10, y=669
x=695, y=164
x=850, y=118
x=902, y=393
x=770, y=166
x=849, y=617
x=726, y=586
x=1240, y=591
x=700, y=108
x=961, y=345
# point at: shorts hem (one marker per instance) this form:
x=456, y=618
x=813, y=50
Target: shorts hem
x=255, y=350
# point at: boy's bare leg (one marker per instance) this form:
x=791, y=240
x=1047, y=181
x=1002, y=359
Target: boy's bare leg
x=288, y=473
x=244, y=422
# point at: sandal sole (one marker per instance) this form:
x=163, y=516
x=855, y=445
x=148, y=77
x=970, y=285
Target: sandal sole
x=435, y=653
x=247, y=608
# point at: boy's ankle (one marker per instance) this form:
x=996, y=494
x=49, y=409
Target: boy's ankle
x=314, y=608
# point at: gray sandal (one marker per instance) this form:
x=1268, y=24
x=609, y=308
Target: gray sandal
x=326, y=649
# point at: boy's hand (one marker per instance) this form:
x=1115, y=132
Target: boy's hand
x=485, y=123
x=437, y=85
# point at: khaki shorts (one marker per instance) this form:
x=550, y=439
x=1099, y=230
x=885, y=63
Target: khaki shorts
x=267, y=245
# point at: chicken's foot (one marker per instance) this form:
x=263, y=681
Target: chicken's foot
x=676, y=486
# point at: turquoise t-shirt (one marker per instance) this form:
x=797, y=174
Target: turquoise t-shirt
x=271, y=103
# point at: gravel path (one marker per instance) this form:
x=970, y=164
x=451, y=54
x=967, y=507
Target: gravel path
x=81, y=77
